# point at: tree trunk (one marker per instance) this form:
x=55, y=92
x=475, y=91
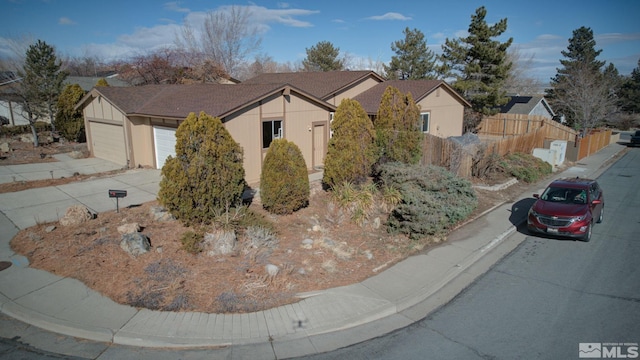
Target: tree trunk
x=32, y=123
x=53, y=126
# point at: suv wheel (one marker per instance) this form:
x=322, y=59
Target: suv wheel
x=587, y=234
x=601, y=215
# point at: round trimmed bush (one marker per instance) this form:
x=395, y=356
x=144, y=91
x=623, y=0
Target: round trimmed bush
x=284, y=181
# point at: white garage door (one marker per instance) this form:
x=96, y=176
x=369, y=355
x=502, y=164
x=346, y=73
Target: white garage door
x=108, y=142
x=165, y=140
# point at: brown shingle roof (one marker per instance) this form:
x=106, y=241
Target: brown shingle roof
x=177, y=101
x=319, y=84
x=419, y=89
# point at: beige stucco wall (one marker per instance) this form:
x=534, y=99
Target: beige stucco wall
x=447, y=113
x=297, y=115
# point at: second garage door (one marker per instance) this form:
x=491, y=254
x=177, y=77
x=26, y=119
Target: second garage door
x=165, y=140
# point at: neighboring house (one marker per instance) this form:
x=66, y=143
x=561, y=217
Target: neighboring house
x=135, y=126
x=88, y=82
x=441, y=107
x=528, y=105
x=10, y=106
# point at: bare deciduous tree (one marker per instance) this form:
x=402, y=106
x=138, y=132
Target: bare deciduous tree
x=589, y=94
x=227, y=37
x=517, y=81
x=154, y=68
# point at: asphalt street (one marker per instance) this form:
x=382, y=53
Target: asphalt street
x=543, y=299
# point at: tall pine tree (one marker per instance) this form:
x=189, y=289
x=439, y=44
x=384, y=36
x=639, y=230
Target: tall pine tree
x=630, y=92
x=322, y=57
x=479, y=64
x=413, y=59
x=42, y=81
x=581, y=90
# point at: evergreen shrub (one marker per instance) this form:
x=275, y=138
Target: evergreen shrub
x=351, y=151
x=206, y=176
x=433, y=199
x=284, y=181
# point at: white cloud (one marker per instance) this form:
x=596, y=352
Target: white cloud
x=389, y=16
x=66, y=21
x=175, y=6
x=613, y=38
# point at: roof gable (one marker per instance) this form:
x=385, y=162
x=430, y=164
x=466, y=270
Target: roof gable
x=321, y=84
x=419, y=89
x=525, y=105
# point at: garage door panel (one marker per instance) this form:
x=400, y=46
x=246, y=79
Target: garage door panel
x=165, y=142
x=108, y=142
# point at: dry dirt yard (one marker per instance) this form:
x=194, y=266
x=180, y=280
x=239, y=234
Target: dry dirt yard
x=318, y=248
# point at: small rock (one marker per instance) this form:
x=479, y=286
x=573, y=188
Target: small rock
x=159, y=249
x=376, y=223
x=75, y=154
x=4, y=147
x=50, y=228
x=328, y=242
x=35, y=237
x=129, y=228
x=135, y=244
x=368, y=254
x=316, y=228
x=272, y=270
x=307, y=243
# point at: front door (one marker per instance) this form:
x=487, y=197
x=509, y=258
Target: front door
x=319, y=145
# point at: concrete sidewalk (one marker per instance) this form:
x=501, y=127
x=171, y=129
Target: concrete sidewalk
x=323, y=321
x=65, y=166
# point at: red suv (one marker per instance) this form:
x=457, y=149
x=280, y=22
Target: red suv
x=567, y=207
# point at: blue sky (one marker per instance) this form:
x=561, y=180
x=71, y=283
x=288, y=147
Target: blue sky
x=362, y=29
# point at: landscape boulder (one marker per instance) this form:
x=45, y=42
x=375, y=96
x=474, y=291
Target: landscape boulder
x=4, y=147
x=76, y=215
x=135, y=244
x=159, y=213
x=129, y=228
x=220, y=242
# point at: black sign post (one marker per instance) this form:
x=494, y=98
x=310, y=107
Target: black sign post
x=117, y=194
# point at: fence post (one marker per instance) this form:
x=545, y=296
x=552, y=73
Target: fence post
x=504, y=126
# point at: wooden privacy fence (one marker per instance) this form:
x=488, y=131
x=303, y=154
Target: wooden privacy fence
x=524, y=135
x=448, y=154
x=593, y=142
x=468, y=161
x=505, y=125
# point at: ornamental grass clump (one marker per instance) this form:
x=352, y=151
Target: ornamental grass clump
x=433, y=199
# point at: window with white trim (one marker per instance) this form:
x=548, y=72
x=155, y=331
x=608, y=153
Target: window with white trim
x=424, y=121
x=271, y=130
